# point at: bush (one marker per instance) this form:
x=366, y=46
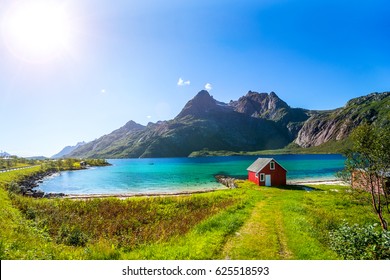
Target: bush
x=360, y=242
x=13, y=187
x=72, y=237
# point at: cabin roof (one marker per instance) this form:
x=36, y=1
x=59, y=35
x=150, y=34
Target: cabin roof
x=260, y=163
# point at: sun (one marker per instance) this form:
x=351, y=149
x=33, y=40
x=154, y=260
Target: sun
x=37, y=31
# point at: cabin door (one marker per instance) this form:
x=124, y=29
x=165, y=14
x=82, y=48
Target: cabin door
x=268, y=180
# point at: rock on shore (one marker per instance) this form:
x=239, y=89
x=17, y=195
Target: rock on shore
x=28, y=184
x=227, y=181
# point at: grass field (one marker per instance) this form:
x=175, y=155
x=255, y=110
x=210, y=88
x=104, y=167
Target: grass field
x=244, y=223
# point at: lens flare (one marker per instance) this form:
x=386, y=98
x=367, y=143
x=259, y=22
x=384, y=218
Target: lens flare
x=37, y=31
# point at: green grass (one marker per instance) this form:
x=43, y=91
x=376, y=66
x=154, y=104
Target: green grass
x=12, y=176
x=19, y=238
x=279, y=228
x=244, y=223
x=291, y=223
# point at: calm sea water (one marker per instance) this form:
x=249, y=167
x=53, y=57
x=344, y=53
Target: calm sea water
x=182, y=174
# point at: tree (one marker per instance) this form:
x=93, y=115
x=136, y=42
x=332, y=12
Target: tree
x=368, y=164
x=69, y=163
x=59, y=164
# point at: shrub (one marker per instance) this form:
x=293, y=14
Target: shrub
x=30, y=213
x=13, y=187
x=72, y=237
x=360, y=242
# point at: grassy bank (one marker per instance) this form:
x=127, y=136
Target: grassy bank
x=244, y=223
x=330, y=147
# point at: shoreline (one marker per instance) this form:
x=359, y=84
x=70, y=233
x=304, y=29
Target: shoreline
x=190, y=192
x=317, y=182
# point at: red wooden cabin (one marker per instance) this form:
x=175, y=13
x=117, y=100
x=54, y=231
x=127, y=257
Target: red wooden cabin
x=267, y=172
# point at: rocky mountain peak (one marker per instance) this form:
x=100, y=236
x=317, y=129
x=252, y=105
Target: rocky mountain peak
x=132, y=125
x=203, y=92
x=203, y=98
x=200, y=105
x=258, y=104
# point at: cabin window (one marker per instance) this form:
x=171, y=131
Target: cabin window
x=262, y=177
x=272, y=165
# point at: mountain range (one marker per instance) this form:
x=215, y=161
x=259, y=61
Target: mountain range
x=67, y=150
x=256, y=121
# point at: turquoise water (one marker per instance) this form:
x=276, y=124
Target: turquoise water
x=132, y=176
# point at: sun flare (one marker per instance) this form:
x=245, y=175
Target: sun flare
x=37, y=30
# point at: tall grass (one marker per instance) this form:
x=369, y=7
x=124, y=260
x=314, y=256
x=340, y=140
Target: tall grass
x=19, y=238
x=207, y=239
x=124, y=224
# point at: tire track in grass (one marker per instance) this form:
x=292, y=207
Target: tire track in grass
x=262, y=236
x=284, y=252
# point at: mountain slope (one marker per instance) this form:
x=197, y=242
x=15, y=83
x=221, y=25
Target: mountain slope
x=256, y=121
x=95, y=148
x=204, y=123
x=67, y=150
x=339, y=123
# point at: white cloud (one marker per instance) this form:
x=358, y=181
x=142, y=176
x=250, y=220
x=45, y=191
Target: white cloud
x=182, y=83
x=149, y=117
x=208, y=86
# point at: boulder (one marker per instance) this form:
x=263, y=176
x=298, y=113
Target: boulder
x=227, y=181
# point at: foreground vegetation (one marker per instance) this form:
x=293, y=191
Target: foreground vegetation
x=242, y=223
x=367, y=166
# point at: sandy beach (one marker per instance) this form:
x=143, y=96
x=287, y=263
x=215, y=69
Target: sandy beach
x=317, y=182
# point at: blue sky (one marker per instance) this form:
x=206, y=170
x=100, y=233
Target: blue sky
x=123, y=60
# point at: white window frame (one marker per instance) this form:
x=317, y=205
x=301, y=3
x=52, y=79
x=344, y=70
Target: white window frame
x=262, y=177
x=272, y=165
